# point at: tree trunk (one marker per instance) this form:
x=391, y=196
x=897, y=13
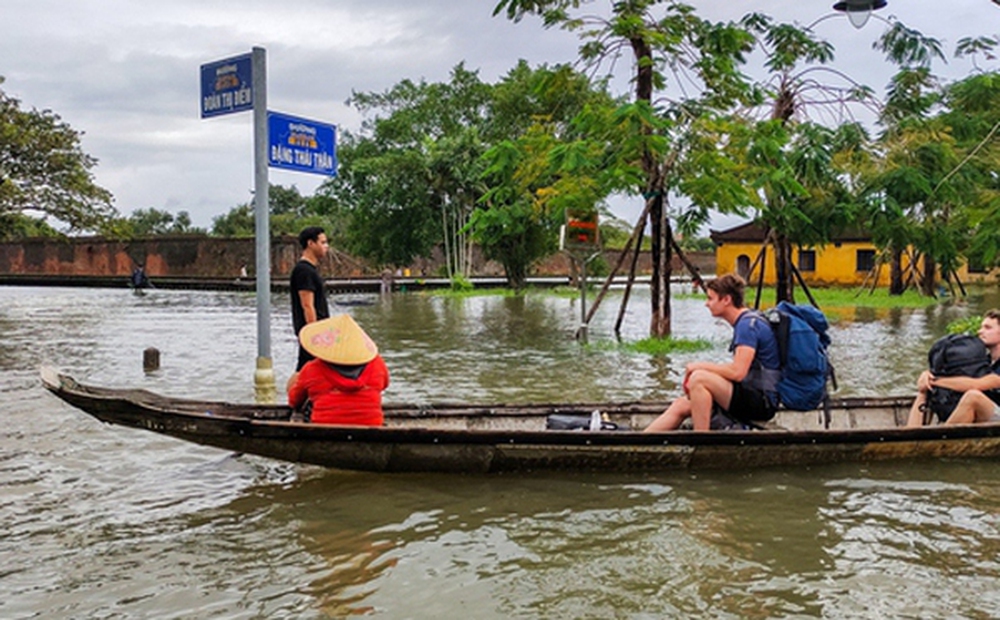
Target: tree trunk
x=927, y=282
x=661, y=232
x=517, y=275
x=783, y=269
x=896, y=286
x=659, y=326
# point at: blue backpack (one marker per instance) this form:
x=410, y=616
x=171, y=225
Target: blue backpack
x=801, y=334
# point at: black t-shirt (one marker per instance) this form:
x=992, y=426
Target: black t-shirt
x=305, y=277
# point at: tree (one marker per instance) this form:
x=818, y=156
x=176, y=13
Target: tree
x=289, y=211
x=43, y=169
x=237, y=222
x=664, y=38
x=415, y=179
x=918, y=154
x=407, y=179
x=513, y=225
x=544, y=167
x=973, y=114
x=800, y=167
x=383, y=194
x=20, y=226
x=145, y=222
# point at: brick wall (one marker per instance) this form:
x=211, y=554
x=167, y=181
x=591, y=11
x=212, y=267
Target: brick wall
x=216, y=257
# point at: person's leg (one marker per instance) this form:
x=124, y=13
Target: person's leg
x=916, y=417
x=704, y=389
x=671, y=419
x=973, y=408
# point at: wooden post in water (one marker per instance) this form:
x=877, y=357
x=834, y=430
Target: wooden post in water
x=151, y=359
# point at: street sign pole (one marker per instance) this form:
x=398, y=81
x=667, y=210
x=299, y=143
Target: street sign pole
x=264, y=384
x=239, y=84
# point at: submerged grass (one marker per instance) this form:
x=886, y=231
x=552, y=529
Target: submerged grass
x=840, y=297
x=654, y=346
x=827, y=297
x=557, y=291
x=472, y=292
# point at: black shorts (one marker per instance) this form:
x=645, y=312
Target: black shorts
x=750, y=405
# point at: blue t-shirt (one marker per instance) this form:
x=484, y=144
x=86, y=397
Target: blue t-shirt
x=752, y=330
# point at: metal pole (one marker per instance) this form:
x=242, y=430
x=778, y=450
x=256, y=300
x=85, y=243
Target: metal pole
x=264, y=384
x=583, y=300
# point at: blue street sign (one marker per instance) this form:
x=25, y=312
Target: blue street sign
x=227, y=86
x=299, y=144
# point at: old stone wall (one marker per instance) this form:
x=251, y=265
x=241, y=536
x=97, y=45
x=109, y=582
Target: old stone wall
x=215, y=257
x=162, y=256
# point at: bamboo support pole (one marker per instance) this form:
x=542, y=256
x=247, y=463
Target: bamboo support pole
x=637, y=232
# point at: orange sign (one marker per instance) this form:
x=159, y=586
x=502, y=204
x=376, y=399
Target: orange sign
x=581, y=229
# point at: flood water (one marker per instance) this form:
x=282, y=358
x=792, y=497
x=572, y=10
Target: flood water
x=106, y=522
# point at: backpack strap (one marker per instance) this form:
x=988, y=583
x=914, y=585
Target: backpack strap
x=760, y=378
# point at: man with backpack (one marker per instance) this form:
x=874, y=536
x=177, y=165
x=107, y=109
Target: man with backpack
x=980, y=400
x=744, y=388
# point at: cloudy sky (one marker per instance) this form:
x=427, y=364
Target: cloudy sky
x=126, y=73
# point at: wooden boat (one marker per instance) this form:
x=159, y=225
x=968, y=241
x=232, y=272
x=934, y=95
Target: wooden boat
x=494, y=438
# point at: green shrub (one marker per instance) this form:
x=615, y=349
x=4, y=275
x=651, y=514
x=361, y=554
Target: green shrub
x=461, y=284
x=968, y=325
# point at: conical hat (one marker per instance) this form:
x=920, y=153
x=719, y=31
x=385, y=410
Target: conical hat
x=338, y=340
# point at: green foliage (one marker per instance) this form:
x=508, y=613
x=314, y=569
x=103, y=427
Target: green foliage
x=147, y=222
x=290, y=212
x=969, y=325
x=907, y=47
x=473, y=292
x=44, y=170
x=407, y=183
x=697, y=244
x=461, y=284
x=842, y=297
x=418, y=175
x=237, y=222
x=20, y=226
x=614, y=234
x=973, y=115
x=598, y=267
x=515, y=235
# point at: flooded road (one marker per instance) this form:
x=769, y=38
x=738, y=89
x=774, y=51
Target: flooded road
x=106, y=522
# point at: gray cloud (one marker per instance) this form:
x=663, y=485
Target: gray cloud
x=126, y=73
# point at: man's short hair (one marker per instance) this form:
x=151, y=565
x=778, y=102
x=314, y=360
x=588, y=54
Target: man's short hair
x=310, y=233
x=729, y=284
x=993, y=314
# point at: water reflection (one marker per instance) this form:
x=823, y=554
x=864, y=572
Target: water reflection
x=766, y=544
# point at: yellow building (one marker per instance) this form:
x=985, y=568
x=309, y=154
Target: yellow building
x=848, y=259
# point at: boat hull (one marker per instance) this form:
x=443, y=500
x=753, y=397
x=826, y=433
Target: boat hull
x=502, y=438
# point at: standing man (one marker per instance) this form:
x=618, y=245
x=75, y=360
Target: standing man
x=308, y=293
x=746, y=387
x=980, y=400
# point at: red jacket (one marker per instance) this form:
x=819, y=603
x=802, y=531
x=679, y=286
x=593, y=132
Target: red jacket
x=337, y=399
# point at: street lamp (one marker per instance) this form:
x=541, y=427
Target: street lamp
x=858, y=11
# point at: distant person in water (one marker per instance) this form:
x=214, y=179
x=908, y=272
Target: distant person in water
x=139, y=278
x=345, y=381
x=745, y=388
x=980, y=400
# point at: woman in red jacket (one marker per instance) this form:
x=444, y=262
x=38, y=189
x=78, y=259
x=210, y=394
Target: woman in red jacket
x=346, y=380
